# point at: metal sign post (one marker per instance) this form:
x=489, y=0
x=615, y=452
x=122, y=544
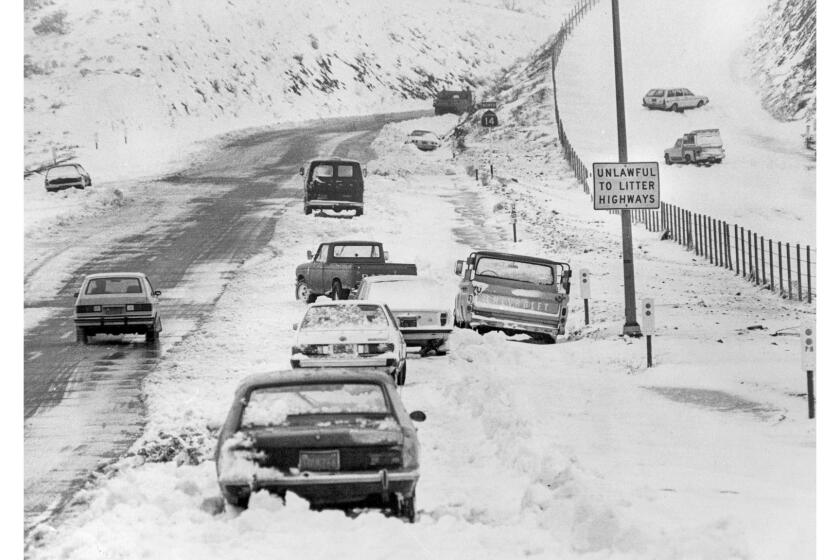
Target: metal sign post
x=631, y=327
x=808, y=338
x=648, y=327
x=585, y=293
x=513, y=219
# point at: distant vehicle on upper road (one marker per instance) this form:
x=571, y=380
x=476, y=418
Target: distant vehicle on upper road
x=673, y=99
x=698, y=146
x=335, y=437
x=333, y=184
x=65, y=176
x=350, y=334
x=424, y=140
x=337, y=267
x=117, y=303
x=451, y=101
x=513, y=294
x=424, y=314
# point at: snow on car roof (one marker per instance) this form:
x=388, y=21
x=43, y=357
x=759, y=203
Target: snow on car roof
x=343, y=302
x=313, y=375
x=113, y=274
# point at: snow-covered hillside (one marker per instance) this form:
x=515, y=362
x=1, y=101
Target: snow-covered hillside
x=159, y=72
x=785, y=56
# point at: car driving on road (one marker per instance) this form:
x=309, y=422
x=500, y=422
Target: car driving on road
x=335, y=437
x=513, y=294
x=337, y=267
x=350, y=334
x=698, y=146
x=333, y=184
x=673, y=99
x=66, y=176
x=422, y=308
x=117, y=303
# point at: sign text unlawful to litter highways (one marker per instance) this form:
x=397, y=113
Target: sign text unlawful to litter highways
x=620, y=186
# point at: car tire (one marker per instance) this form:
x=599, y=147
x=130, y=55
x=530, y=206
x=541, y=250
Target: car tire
x=303, y=293
x=241, y=502
x=700, y=103
x=404, y=508
x=307, y=210
x=401, y=374
x=668, y=160
x=687, y=158
x=81, y=335
x=674, y=107
x=152, y=333
x=337, y=291
x=359, y=211
x=547, y=338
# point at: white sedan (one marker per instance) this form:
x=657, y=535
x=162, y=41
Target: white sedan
x=422, y=307
x=350, y=334
x=425, y=140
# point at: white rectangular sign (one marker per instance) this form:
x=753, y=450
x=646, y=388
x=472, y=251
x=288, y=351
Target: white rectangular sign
x=808, y=340
x=625, y=186
x=648, y=319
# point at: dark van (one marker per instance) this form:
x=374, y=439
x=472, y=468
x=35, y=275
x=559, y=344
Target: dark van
x=333, y=184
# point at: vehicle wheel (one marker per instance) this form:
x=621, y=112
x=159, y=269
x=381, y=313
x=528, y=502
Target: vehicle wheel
x=303, y=293
x=547, y=338
x=81, y=335
x=336, y=290
x=674, y=107
x=700, y=103
x=360, y=211
x=404, y=507
x=241, y=502
x=307, y=210
x=688, y=158
x=401, y=373
x=80, y=187
x=667, y=159
x=152, y=333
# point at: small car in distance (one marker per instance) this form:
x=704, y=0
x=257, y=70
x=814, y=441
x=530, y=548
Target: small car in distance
x=425, y=140
x=117, y=303
x=350, y=334
x=673, y=99
x=698, y=146
x=335, y=437
x=423, y=312
x=513, y=294
x=335, y=184
x=66, y=176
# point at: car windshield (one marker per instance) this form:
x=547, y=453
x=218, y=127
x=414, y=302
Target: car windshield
x=687, y=92
x=271, y=406
x=114, y=285
x=356, y=251
x=406, y=294
x=532, y=273
x=710, y=138
x=63, y=172
x=335, y=317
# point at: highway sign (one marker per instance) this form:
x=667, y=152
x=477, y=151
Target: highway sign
x=625, y=186
x=584, y=283
x=489, y=118
x=486, y=105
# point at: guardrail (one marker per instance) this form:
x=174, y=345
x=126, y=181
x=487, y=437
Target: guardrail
x=746, y=253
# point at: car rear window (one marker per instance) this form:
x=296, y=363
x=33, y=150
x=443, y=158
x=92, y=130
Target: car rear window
x=532, y=273
x=708, y=139
x=410, y=293
x=323, y=171
x=336, y=317
x=346, y=170
x=356, y=251
x=115, y=285
x=271, y=406
x=655, y=93
x=62, y=172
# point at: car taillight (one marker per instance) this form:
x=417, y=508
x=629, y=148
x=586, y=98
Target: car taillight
x=138, y=307
x=390, y=458
x=311, y=349
x=443, y=319
x=379, y=348
x=88, y=308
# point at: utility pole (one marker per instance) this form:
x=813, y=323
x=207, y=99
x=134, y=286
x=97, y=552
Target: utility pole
x=631, y=326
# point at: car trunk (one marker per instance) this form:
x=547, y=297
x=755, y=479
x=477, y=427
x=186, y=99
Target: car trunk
x=409, y=319
x=514, y=300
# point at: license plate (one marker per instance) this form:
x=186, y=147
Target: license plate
x=113, y=310
x=319, y=460
x=342, y=348
x=408, y=322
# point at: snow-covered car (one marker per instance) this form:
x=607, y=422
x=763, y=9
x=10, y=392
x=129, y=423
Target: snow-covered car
x=66, y=176
x=335, y=437
x=673, y=99
x=424, y=140
x=117, y=303
x=350, y=334
x=422, y=309
x=698, y=146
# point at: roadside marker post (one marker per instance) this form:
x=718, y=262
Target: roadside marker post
x=513, y=220
x=648, y=327
x=808, y=339
x=585, y=293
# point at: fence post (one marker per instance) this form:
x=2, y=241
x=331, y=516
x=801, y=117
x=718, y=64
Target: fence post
x=772, y=283
x=781, y=282
x=750, y=249
x=722, y=244
x=763, y=275
x=798, y=273
x=696, y=237
x=790, y=282
x=728, y=250
x=717, y=243
x=808, y=269
x=737, y=256
x=743, y=255
x=689, y=235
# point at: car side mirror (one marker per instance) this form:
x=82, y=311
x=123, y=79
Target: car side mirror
x=418, y=416
x=300, y=171
x=294, y=326
x=76, y=294
x=309, y=255
x=386, y=255
x=459, y=267
x=364, y=171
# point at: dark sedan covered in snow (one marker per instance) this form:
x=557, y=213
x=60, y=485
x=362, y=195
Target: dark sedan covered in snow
x=335, y=437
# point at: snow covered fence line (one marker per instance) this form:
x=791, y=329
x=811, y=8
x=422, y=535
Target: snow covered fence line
x=715, y=240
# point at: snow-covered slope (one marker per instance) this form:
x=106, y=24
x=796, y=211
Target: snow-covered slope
x=153, y=73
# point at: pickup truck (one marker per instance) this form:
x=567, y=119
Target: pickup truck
x=338, y=267
x=451, y=101
x=698, y=146
x=513, y=294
